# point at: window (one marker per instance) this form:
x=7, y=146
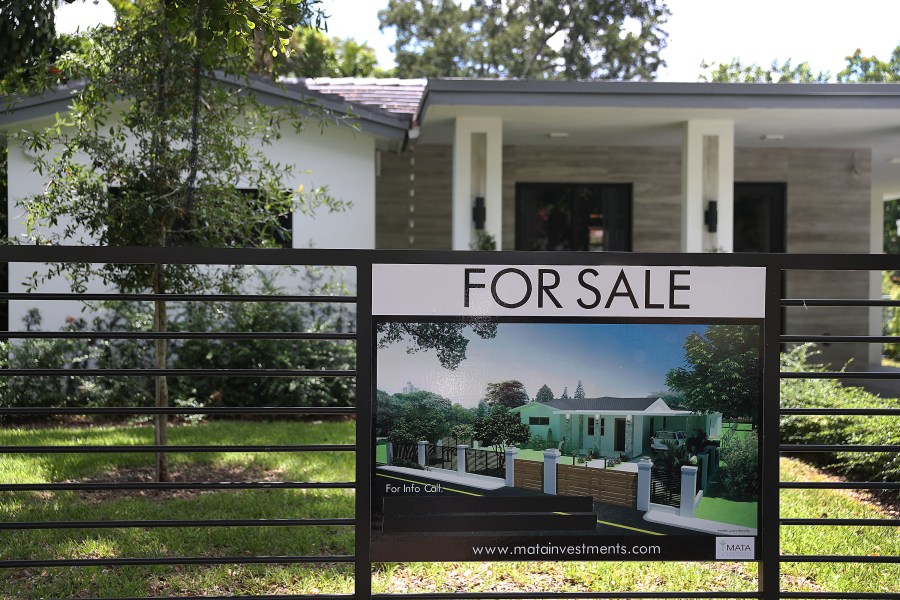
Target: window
x=602, y=427
x=538, y=420
x=591, y=426
x=760, y=216
x=573, y=216
x=279, y=228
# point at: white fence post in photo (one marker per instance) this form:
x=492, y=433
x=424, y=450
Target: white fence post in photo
x=551, y=459
x=422, y=447
x=510, y=466
x=461, y=458
x=688, y=491
x=643, y=485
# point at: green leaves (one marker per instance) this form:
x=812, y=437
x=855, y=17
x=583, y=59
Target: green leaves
x=527, y=39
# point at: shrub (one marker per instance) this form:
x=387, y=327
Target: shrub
x=848, y=429
x=264, y=354
x=46, y=390
x=740, y=477
x=536, y=442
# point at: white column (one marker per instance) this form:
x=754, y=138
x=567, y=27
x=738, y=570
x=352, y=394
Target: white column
x=707, y=174
x=422, y=448
x=688, y=491
x=551, y=459
x=510, y=466
x=389, y=450
x=461, y=459
x=477, y=171
x=643, y=485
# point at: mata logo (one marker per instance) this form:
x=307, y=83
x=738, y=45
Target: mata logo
x=741, y=548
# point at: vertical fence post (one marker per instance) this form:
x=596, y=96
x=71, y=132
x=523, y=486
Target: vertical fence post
x=769, y=533
x=643, y=485
x=510, y=466
x=421, y=452
x=365, y=392
x=703, y=461
x=551, y=459
x=688, y=491
x=461, y=458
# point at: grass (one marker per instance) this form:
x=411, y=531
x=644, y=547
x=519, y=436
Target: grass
x=715, y=507
x=135, y=581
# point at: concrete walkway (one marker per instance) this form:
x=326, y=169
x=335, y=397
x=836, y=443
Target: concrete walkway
x=481, y=482
x=665, y=515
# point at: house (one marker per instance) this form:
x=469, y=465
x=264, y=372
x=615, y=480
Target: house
x=596, y=166
x=611, y=426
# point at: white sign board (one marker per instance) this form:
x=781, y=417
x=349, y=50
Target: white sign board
x=568, y=291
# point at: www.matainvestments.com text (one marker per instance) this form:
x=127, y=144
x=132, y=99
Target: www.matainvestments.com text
x=573, y=550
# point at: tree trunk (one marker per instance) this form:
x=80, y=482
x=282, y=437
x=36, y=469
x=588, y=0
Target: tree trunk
x=160, y=325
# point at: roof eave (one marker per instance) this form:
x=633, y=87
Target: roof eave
x=500, y=92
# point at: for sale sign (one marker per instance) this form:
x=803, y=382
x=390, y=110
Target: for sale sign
x=572, y=412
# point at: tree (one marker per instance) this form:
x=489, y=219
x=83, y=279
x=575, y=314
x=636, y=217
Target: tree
x=157, y=142
x=579, y=391
x=527, y=39
x=545, y=394
x=446, y=339
x=311, y=53
x=737, y=72
x=27, y=33
x=501, y=427
x=404, y=419
x=723, y=372
x=870, y=69
x=510, y=394
x=859, y=69
x=565, y=394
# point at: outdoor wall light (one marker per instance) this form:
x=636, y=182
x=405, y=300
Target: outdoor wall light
x=711, y=216
x=479, y=213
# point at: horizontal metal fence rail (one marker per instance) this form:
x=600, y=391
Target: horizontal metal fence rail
x=769, y=587
x=326, y=558
x=799, y=449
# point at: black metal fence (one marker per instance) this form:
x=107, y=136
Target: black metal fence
x=665, y=486
x=441, y=457
x=24, y=498
x=491, y=463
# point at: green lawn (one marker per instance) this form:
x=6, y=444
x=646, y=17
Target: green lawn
x=136, y=581
x=715, y=507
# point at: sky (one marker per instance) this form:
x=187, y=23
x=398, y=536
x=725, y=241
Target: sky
x=619, y=360
x=821, y=32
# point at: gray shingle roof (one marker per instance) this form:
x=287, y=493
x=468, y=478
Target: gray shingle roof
x=396, y=96
x=605, y=403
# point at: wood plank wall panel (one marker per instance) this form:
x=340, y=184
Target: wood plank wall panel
x=610, y=487
x=828, y=206
x=529, y=474
x=432, y=174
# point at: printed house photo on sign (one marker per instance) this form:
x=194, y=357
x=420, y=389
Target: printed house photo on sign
x=518, y=439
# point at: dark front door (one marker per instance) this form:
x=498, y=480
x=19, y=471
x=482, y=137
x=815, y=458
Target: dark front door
x=620, y=435
x=573, y=216
x=759, y=217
